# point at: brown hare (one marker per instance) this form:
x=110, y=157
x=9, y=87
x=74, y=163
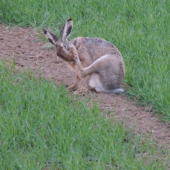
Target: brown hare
x=97, y=62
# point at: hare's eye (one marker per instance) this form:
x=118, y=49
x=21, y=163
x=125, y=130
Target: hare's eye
x=65, y=46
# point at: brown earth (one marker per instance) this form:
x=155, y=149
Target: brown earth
x=23, y=45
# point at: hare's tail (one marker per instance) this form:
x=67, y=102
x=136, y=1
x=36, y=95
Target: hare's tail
x=115, y=91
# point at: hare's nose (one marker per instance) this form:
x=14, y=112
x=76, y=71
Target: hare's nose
x=61, y=45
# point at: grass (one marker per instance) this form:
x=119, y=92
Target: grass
x=140, y=29
x=42, y=126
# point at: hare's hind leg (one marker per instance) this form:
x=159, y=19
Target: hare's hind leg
x=97, y=84
x=106, y=74
x=99, y=64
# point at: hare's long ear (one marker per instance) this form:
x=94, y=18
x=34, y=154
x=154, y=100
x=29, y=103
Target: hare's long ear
x=66, y=30
x=51, y=37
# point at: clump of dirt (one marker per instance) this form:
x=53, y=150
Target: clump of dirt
x=25, y=47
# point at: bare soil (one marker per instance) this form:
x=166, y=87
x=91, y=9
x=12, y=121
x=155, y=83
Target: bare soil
x=25, y=47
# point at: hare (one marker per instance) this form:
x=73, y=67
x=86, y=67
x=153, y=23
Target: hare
x=97, y=62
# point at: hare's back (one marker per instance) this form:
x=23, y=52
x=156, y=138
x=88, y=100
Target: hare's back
x=95, y=47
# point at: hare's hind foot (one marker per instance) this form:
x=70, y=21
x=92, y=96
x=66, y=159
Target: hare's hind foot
x=81, y=90
x=73, y=87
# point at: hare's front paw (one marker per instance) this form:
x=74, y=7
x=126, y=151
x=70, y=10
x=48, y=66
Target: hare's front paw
x=82, y=73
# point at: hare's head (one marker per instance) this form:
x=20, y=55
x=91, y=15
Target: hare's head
x=64, y=48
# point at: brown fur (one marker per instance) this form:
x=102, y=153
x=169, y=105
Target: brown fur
x=97, y=62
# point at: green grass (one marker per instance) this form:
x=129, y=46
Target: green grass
x=42, y=126
x=140, y=29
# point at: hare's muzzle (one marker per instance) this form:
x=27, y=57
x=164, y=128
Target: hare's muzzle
x=63, y=52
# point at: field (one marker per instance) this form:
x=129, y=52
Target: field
x=41, y=127
x=140, y=29
x=40, y=130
